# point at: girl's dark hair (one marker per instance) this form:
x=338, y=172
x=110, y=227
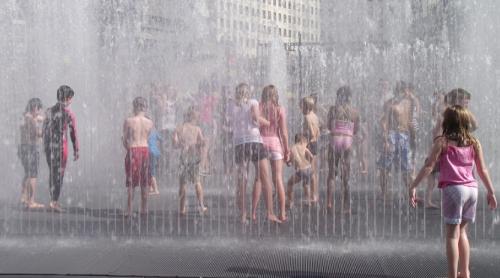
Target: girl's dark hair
x=341, y=110
x=65, y=92
x=457, y=126
x=34, y=103
x=344, y=94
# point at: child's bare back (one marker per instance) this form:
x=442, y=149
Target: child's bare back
x=311, y=126
x=188, y=136
x=136, y=131
x=301, y=156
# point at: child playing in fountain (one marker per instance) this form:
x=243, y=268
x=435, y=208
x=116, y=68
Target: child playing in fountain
x=457, y=151
x=301, y=158
x=154, y=141
x=59, y=119
x=311, y=130
x=136, y=130
x=29, y=151
x=189, y=138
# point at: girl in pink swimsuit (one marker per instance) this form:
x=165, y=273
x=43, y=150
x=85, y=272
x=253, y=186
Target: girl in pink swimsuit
x=275, y=139
x=457, y=152
x=343, y=121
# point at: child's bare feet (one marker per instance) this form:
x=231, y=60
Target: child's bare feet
x=203, y=209
x=152, y=192
x=273, y=218
x=55, y=207
x=254, y=217
x=283, y=218
x=35, y=205
x=183, y=212
x=430, y=205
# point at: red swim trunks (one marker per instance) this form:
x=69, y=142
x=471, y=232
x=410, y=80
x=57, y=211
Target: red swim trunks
x=137, y=167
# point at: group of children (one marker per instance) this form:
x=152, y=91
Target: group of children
x=260, y=137
x=49, y=129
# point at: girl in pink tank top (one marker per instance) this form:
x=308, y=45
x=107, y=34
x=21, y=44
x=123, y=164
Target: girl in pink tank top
x=457, y=152
x=275, y=140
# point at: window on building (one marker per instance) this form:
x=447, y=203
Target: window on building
x=279, y=17
x=268, y=14
x=274, y=2
x=274, y=16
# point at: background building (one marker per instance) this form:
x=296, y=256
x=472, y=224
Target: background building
x=249, y=24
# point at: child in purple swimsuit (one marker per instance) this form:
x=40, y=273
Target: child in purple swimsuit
x=457, y=152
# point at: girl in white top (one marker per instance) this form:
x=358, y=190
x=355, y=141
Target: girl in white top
x=245, y=122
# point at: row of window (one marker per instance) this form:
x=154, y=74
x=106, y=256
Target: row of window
x=283, y=18
x=251, y=43
x=251, y=27
x=234, y=7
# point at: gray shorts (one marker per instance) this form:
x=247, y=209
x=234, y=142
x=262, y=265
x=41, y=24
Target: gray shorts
x=304, y=175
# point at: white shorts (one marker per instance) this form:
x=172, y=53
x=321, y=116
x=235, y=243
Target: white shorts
x=275, y=156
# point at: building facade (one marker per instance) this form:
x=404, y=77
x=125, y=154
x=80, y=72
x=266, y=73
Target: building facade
x=249, y=24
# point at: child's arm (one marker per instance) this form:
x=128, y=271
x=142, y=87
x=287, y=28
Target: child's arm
x=356, y=123
x=200, y=139
x=261, y=121
x=125, y=135
x=284, y=135
x=309, y=155
x=437, y=148
x=175, y=138
x=309, y=128
x=482, y=171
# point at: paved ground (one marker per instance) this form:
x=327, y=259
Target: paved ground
x=94, y=238
x=229, y=257
x=371, y=217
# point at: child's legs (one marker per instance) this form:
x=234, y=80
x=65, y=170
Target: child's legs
x=31, y=182
x=262, y=170
x=204, y=165
x=346, y=171
x=452, y=250
x=314, y=180
x=277, y=172
x=257, y=190
x=144, y=198
x=130, y=198
x=199, y=194
x=294, y=179
x=464, y=251
x=182, y=197
x=24, y=190
x=333, y=159
x=241, y=180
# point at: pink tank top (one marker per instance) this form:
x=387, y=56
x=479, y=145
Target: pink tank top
x=270, y=133
x=342, y=127
x=456, y=165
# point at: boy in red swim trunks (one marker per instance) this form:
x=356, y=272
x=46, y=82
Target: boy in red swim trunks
x=136, y=130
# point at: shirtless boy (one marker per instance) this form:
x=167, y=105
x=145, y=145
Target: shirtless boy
x=311, y=130
x=136, y=130
x=189, y=138
x=396, y=136
x=301, y=158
